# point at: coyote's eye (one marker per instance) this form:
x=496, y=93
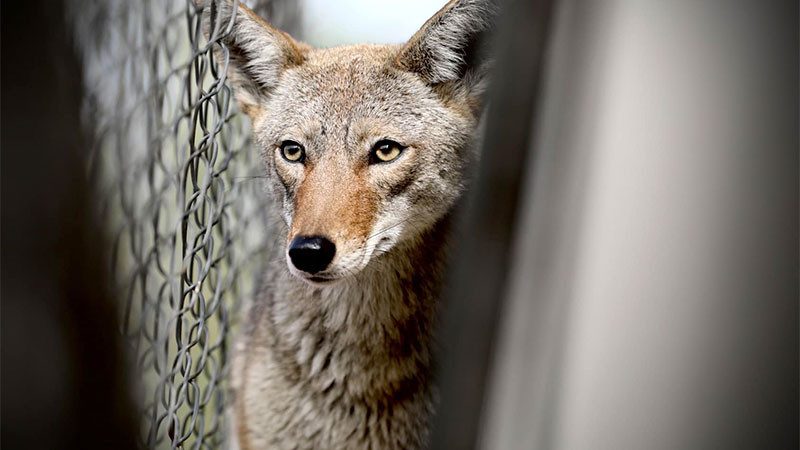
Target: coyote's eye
x=292, y=151
x=385, y=151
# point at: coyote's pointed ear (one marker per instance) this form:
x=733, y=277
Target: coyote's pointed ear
x=446, y=49
x=256, y=52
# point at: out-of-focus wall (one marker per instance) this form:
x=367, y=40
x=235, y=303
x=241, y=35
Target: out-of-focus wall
x=654, y=299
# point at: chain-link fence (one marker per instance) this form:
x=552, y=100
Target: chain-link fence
x=182, y=197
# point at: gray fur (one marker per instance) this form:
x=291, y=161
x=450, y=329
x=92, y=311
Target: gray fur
x=254, y=51
x=437, y=51
x=346, y=364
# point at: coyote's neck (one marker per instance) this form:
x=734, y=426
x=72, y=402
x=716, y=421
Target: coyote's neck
x=345, y=366
x=370, y=335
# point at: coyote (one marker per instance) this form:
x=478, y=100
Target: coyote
x=366, y=149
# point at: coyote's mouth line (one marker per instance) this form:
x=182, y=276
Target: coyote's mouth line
x=317, y=280
x=321, y=279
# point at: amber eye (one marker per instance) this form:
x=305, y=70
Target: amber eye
x=385, y=151
x=292, y=151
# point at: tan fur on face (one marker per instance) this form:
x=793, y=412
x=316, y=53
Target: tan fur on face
x=334, y=191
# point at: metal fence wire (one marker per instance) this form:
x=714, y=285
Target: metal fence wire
x=183, y=201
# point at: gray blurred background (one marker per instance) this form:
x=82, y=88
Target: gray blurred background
x=653, y=295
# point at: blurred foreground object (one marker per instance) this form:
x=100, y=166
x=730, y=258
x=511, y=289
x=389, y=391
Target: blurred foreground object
x=63, y=380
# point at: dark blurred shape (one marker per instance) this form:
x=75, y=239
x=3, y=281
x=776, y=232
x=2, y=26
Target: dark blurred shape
x=477, y=285
x=63, y=374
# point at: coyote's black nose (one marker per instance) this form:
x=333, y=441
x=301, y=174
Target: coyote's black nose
x=311, y=254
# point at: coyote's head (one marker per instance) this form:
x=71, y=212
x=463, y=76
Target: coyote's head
x=365, y=146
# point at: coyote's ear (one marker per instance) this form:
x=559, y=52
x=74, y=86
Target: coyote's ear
x=446, y=48
x=256, y=52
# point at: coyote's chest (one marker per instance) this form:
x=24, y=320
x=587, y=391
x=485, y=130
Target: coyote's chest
x=345, y=372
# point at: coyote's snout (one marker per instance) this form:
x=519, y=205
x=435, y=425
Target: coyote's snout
x=365, y=149
x=343, y=201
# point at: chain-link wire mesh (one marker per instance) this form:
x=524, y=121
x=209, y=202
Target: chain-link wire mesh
x=181, y=194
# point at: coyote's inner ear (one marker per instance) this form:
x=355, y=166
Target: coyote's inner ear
x=256, y=52
x=447, y=48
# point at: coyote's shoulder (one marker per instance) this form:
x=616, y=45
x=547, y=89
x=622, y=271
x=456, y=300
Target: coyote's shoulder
x=366, y=149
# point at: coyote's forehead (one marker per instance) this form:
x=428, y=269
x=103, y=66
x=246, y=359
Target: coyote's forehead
x=350, y=68
x=355, y=86
x=353, y=67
